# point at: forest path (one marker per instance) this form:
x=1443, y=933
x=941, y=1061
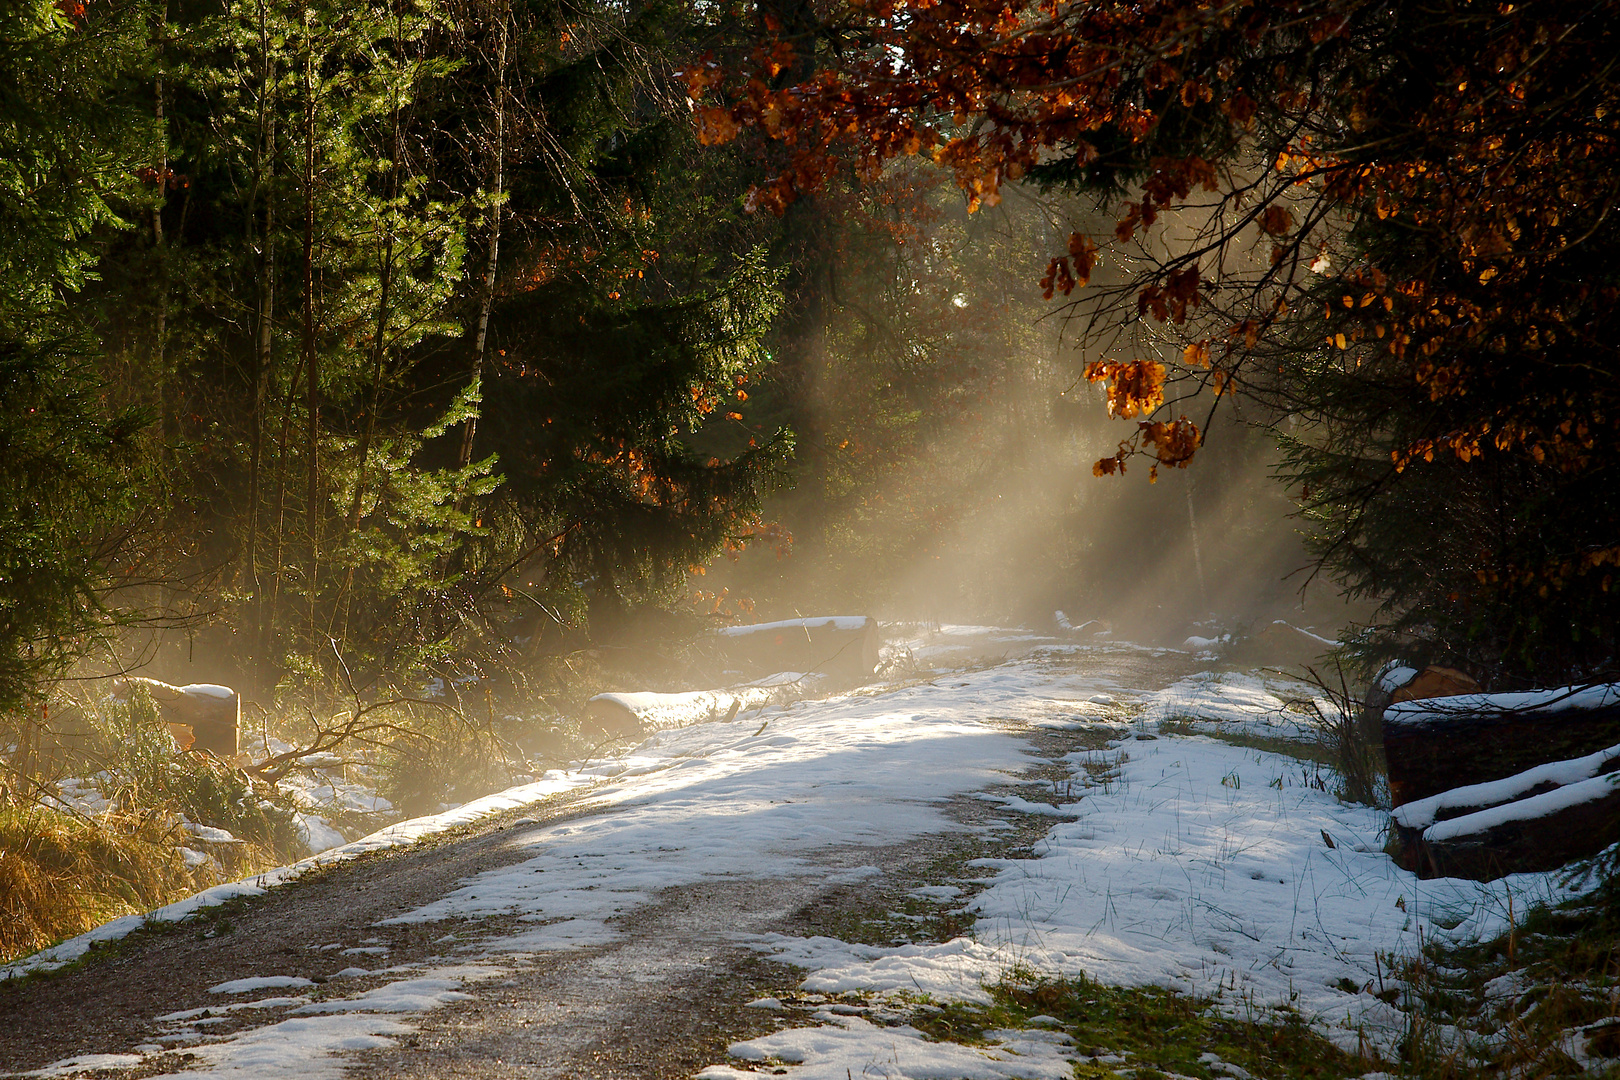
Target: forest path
x=391, y=965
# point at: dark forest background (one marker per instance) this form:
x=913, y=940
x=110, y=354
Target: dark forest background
x=350, y=347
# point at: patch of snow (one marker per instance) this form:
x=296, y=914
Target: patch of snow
x=1243, y=704
x=1025, y=806
x=235, y=1006
x=1181, y=875
x=331, y=795
x=1394, y=676
x=1215, y=1064
x=936, y=892
x=951, y=646
x=260, y=982
x=202, y=689
x=658, y=711
x=298, y=1048
x=88, y=1063
x=208, y=834
x=84, y=794
x=317, y=834
x=847, y=1046
x=405, y=995
x=563, y=935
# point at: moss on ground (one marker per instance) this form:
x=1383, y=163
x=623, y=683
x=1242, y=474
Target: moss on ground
x=1147, y=1032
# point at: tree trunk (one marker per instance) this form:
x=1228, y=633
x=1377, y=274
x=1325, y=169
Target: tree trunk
x=379, y=362
x=311, y=360
x=264, y=327
x=496, y=190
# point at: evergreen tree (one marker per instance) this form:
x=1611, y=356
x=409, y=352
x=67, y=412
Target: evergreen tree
x=363, y=231
x=70, y=477
x=627, y=313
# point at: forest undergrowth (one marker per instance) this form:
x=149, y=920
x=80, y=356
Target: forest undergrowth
x=103, y=814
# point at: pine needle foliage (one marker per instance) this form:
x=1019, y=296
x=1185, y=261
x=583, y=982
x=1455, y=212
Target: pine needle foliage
x=69, y=466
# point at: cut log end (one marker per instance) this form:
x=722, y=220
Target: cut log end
x=607, y=719
x=201, y=718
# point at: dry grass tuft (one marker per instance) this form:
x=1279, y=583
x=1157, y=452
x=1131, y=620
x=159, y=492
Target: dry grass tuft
x=61, y=875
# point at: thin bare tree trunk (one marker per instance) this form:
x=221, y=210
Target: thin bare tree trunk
x=312, y=388
x=160, y=331
x=496, y=188
x=262, y=618
x=278, y=550
x=379, y=361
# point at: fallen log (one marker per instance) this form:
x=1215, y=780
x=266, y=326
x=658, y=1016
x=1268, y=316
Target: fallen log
x=200, y=716
x=626, y=716
x=1538, y=819
x=844, y=647
x=1434, y=745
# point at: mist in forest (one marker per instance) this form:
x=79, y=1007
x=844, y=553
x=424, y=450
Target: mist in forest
x=966, y=495
x=1016, y=529
x=942, y=470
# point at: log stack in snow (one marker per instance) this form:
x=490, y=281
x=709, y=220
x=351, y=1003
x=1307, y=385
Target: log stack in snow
x=1538, y=819
x=844, y=647
x=1491, y=784
x=784, y=657
x=1436, y=744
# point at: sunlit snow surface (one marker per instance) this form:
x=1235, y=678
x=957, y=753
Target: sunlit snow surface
x=1194, y=864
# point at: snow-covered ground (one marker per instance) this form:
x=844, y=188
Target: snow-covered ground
x=1176, y=860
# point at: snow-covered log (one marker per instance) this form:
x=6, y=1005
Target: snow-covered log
x=1397, y=682
x=1438, y=744
x=201, y=716
x=1538, y=819
x=844, y=647
x=620, y=716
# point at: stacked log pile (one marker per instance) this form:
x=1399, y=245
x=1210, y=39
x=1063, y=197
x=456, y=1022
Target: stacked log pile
x=1485, y=785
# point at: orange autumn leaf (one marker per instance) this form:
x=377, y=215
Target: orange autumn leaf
x=1133, y=388
x=1276, y=220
